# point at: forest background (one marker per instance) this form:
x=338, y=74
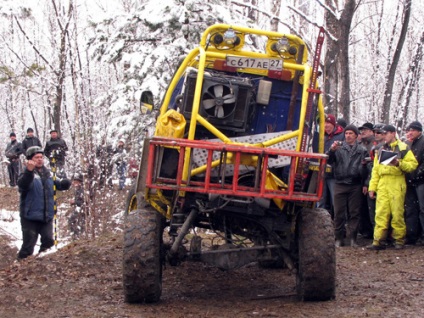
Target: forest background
x=79, y=66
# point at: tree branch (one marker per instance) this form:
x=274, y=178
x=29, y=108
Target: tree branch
x=328, y=9
x=57, y=15
x=312, y=22
x=33, y=45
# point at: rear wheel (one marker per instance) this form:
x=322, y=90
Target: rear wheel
x=316, y=275
x=142, y=259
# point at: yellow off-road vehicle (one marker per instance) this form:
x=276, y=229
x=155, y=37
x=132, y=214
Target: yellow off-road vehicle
x=232, y=156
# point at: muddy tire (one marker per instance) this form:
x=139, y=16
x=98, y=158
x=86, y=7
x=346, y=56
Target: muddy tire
x=142, y=259
x=316, y=275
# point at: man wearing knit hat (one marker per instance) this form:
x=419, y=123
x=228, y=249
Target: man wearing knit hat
x=414, y=199
x=349, y=172
x=55, y=150
x=388, y=180
x=30, y=140
x=37, y=202
x=332, y=132
x=12, y=153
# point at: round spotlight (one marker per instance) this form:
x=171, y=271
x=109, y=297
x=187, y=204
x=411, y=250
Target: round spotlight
x=217, y=39
x=292, y=50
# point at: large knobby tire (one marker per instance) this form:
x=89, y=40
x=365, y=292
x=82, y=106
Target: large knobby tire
x=142, y=259
x=316, y=275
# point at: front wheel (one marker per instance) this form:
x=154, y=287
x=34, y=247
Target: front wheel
x=316, y=275
x=142, y=259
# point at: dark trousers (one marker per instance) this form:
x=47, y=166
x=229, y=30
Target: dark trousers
x=13, y=170
x=30, y=232
x=347, y=210
x=371, y=209
x=414, y=212
x=366, y=227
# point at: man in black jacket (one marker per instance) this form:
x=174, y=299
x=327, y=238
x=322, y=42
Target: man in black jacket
x=30, y=140
x=55, y=150
x=347, y=159
x=414, y=199
x=13, y=151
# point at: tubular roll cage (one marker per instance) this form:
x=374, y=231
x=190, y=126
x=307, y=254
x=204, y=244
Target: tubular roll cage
x=199, y=58
x=233, y=155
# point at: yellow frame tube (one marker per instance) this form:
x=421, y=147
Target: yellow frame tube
x=202, y=55
x=219, y=27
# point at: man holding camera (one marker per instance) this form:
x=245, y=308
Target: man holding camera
x=347, y=159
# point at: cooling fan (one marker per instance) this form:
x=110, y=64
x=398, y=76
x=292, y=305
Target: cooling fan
x=219, y=100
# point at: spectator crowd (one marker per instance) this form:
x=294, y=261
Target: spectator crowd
x=35, y=183
x=375, y=187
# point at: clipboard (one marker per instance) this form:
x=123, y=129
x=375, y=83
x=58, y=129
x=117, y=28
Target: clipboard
x=385, y=157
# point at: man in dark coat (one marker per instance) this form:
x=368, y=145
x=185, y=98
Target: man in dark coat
x=37, y=206
x=30, y=140
x=13, y=151
x=55, y=150
x=349, y=172
x=414, y=199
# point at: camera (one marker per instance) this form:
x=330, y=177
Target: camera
x=339, y=143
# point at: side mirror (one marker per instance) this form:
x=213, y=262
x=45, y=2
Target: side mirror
x=146, y=102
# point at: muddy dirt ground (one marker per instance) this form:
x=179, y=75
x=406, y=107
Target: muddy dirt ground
x=83, y=279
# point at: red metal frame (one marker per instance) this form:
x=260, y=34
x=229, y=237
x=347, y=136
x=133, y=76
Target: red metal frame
x=206, y=185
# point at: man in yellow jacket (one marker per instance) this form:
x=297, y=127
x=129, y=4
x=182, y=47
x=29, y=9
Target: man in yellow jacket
x=388, y=181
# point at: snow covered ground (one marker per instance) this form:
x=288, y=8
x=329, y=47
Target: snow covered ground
x=10, y=226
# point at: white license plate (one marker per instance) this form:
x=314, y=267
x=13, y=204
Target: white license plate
x=251, y=62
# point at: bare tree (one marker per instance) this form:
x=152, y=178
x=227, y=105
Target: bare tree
x=62, y=56
x=276, y=6
x=410, y=85
x=393, y=64
x=338, y=19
